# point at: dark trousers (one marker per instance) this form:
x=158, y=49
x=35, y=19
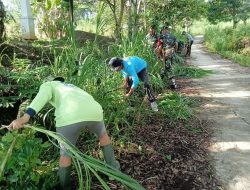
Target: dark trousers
x=189, y=48
x=144, y=77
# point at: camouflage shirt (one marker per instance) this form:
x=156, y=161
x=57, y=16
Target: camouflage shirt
x=167, y=40
x=151, y=39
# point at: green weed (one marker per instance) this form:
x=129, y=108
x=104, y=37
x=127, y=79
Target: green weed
x=230, y=43
x=189, y=71
x=27, y=165
x=175, y=106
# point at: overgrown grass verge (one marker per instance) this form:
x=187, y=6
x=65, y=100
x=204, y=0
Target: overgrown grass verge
x=236, y=57
x=230, y=43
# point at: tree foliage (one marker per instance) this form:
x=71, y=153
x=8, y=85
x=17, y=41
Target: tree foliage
x=181, y=12
x=117, y=7
x=228, y=10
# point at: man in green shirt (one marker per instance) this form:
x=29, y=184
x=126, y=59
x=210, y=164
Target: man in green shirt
x=75, y=109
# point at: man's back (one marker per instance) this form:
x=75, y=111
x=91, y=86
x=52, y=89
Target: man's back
x=71, y=103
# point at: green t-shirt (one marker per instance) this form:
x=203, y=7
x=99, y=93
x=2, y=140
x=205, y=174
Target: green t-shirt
x=72, y=104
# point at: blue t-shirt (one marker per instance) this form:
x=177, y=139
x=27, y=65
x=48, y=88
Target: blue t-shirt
x=189, y=37
x=132, y=66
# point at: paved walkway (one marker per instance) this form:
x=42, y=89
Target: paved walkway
x=228, y=93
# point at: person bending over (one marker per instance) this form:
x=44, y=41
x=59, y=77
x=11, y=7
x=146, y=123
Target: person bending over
x=134, y=68
x=75, y=109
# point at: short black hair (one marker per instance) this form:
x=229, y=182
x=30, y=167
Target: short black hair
x=153, y=26
x=115, y=62
x=61, y=79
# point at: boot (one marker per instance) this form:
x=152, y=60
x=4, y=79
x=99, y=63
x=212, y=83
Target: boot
x=64, y=177
x=109, y=156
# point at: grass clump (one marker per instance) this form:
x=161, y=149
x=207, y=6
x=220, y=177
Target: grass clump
x=175, y=106
x=189, y=71
x=230, y=43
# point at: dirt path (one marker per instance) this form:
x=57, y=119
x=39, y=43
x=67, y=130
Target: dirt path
x=227, y=92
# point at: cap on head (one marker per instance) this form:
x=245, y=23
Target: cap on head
x=115, y=63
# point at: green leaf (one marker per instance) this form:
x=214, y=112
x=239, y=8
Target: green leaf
x=13, y=178
x=168, y=157
x=8, y=137
x=48, y=5
x=46, y=145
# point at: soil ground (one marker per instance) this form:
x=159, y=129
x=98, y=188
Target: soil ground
x=227, y=103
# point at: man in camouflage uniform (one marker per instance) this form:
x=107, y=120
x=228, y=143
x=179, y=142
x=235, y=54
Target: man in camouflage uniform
x=166, y=44
x=151, y=38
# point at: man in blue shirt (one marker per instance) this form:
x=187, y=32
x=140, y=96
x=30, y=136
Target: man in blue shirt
x=134, y=68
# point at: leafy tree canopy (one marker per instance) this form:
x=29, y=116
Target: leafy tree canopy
x=176, y=12
x=228, y=10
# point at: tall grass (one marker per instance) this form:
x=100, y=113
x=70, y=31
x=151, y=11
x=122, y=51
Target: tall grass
x=229, y=42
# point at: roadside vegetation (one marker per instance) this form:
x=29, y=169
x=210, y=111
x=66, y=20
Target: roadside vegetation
x=156, y=150
x=230, y=43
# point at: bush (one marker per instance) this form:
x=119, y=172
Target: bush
x=24, y=168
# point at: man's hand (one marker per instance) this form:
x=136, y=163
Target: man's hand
x=18, y=123
x=130, y=92
x=125, y=83
x=127, y=95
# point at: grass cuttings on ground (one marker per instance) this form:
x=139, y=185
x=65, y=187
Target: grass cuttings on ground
x=173, y=157
x=189, y=71
x=175, y=106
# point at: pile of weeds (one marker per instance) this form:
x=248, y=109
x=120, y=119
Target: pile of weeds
x=175, y=106
x=189, y=72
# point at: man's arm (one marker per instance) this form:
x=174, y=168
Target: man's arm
x=18, y=123
x=135, y=79
x=125, y=82
x=43, y=96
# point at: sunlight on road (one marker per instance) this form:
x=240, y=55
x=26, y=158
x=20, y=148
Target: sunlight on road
x=232, y=94
x=236, y=146
x=223, y=84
